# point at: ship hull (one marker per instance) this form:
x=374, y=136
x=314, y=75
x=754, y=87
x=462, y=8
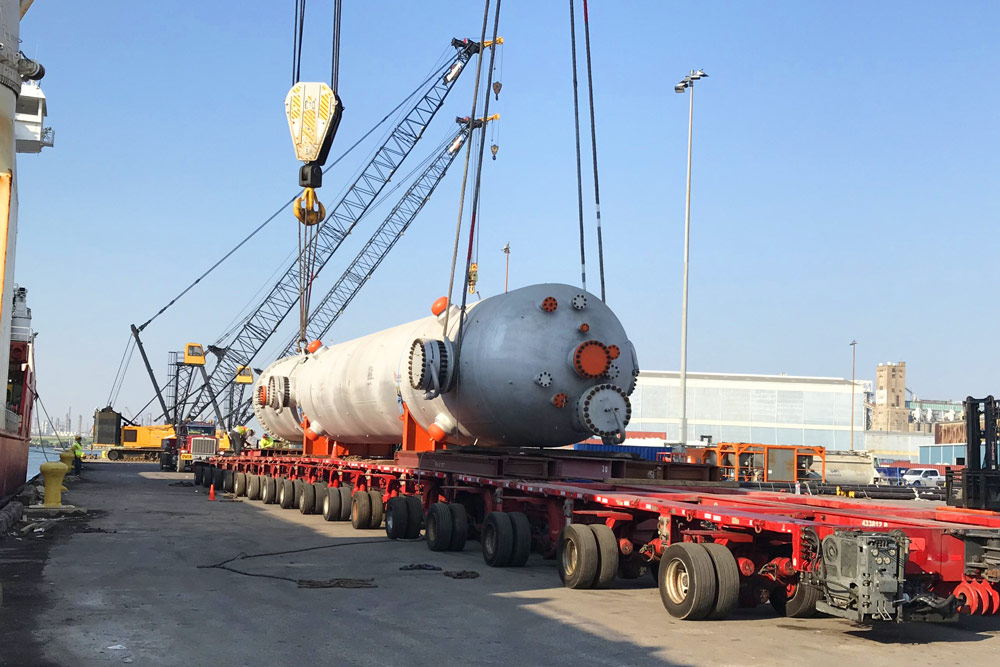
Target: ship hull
x=13, y=463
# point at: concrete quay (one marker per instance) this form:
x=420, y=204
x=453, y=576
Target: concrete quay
x=127, y=584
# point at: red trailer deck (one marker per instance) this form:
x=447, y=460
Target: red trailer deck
x=710, y=546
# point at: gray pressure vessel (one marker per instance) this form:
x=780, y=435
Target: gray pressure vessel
x=541, y=366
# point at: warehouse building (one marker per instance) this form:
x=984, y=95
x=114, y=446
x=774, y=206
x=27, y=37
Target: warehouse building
x=769, y=409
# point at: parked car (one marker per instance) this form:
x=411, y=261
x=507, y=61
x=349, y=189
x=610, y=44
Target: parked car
x=923, y=477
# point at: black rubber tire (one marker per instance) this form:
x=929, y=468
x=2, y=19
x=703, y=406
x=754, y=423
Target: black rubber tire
x=199, y=472
x=414, y=516
x=521, y=548
x=116, y=455
x=802, y=604
x=396, y=518
x=361, y=510
x=438, y=532
x=331, y=504
x=378, y=509
x=727, y=581
x=459, y=526
x=694, y=603
x=228, y=481
x=269, y=492
x=286, y=494
x=497, y=539
x=307, y=498
x=345, y=502
x=607, y=555
x=207, y=473
x=577, y=556
x=280, y=494
x=217, y=478
x=253, y=487
x=296, y=487
x=319, y=493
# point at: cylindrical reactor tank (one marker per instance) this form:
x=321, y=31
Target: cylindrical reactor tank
x=544, y=366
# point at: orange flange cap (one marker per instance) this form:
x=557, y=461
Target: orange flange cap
x=262, y=395
x=560, y=400
x=549, y=304
x=591, y=359
x=313, y=346
x=436, y=433
x=614, y=351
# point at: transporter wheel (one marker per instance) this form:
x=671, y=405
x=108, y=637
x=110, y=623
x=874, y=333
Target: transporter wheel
x=378, y=509
x=181, y=464
x=577, y=556
x=319, y=495
x=199, y=472
x=687, y=581
x=253, y=487
x=269, y=490
x=217, y=478
x=414, y=516
x=228, y=481
x=286, y=494
x=307, y=498
x=439, y=527
x=331, y=504
x=345, y=502
x=497, y=539
x=114, y=455
x=361, y=510
x=607, y=555
x=240, y=484
x=795, y=601
x=395, y=518
x=459, y=526
x=296, y=488
x=207, y=473
x=521, y=545
x=727, y=581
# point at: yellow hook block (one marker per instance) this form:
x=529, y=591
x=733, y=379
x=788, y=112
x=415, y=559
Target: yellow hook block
x=308, y=208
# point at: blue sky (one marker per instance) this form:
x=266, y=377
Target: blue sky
x=844, y=156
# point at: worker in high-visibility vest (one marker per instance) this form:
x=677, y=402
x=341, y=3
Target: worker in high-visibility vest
x=266, y=442
x=77, y=455
x=238, y=438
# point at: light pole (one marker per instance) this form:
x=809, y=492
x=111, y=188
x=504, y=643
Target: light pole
x=686, y=84
x=854, y=357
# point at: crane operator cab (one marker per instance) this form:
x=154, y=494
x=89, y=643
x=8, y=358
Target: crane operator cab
x=194, y=355
x=244, y=375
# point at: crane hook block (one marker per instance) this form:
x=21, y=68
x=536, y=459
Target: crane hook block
x=314, y=112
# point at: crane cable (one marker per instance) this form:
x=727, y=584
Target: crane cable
x=593, y=144
x=465, y=173
x=478, y=182
x=576, y=120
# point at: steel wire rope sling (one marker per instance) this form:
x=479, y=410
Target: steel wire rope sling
x=576, y=123
x=465, y=173
x=476, y=191
x=314, y=111
x=277, y=304
x=593, y=145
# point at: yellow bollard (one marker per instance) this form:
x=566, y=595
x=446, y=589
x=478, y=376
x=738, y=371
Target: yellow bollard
x=53, y=474
x=67, y=458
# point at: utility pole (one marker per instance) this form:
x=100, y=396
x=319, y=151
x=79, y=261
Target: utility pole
x=854, y=357
x=506, y=275
x=686, y=84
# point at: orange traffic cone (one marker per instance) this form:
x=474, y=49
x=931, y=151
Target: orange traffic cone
x=211, y=492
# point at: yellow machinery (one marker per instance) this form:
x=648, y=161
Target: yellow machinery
x=244, y=375
x=120, y=442
x=194, y=355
